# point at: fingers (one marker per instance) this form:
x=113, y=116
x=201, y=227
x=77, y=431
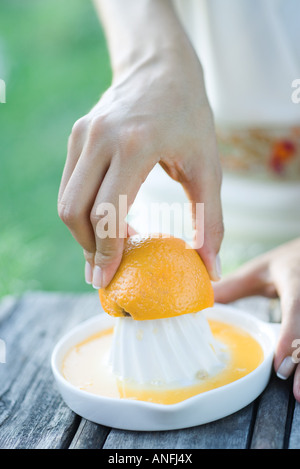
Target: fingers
x=203, y=190
x=213, y=232
x=75, y=146
x=85, y=169
x=287, y=356
x=253, y=278
x=96, y=275
x=288, y=348
x=76, y=188
x=77, y=200
x=275, y=273
x=94, y=206
x=296, y=385
x=202, y=184
x=117, y=193
x=100, y=276
x=103, y=173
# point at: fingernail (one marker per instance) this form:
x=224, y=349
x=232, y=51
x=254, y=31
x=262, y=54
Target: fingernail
x=286, y=368
x=97, y=277
x=88, y=273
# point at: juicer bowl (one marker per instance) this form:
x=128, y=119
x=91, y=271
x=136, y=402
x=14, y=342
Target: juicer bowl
x=128, y=414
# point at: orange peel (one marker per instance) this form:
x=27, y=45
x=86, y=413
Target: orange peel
x=159, y=277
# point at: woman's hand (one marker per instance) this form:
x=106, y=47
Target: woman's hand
x=156, y=111
x=276, y=273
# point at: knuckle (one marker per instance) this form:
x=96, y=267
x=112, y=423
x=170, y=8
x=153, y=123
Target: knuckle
x=94, y=218
x=96, y=128
x=67, y=214
x=134, y=139
x=107, y=253
x=89, y=256
x=104, y=257
x=79, y=128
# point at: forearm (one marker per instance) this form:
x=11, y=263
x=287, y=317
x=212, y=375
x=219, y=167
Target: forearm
x=155, y=111
x=139, y=30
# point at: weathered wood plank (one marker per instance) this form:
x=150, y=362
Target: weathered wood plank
x=6, y=306
x=32, y=413
x=272, y=414
x=294, y=439
x=227, y=433
x=262, y=308
x=89, y=435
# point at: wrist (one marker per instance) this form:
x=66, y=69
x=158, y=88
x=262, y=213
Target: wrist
x=150, y=58
x=143, y=32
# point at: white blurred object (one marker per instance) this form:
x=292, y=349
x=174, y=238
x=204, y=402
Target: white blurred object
x=178, y=351
x=250, y=53
x=250, y=56
x=264, y=213
x=147, y=214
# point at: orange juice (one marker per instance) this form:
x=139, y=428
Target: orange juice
x=85, y=366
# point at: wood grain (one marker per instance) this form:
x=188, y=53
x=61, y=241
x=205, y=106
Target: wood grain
x=33, y=415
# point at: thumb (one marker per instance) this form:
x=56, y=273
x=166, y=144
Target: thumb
x=109, y=246
x=108, y=218
x=205, y=199
x=108, y=256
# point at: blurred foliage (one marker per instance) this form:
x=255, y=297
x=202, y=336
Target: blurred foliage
x=54, y=61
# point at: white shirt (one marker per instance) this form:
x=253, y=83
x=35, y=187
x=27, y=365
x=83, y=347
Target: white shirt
x=250, y=52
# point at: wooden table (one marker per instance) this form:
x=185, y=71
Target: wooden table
x=33, y=415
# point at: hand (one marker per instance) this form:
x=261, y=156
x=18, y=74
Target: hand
x=156, y=111
x=276, y=273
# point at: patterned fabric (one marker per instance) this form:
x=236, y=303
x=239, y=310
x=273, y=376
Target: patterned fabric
x=263, y=153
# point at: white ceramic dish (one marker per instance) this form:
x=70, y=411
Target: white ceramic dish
x=145, y=416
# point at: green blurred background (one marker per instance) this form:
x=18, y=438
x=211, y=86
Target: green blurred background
x=54, y=61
